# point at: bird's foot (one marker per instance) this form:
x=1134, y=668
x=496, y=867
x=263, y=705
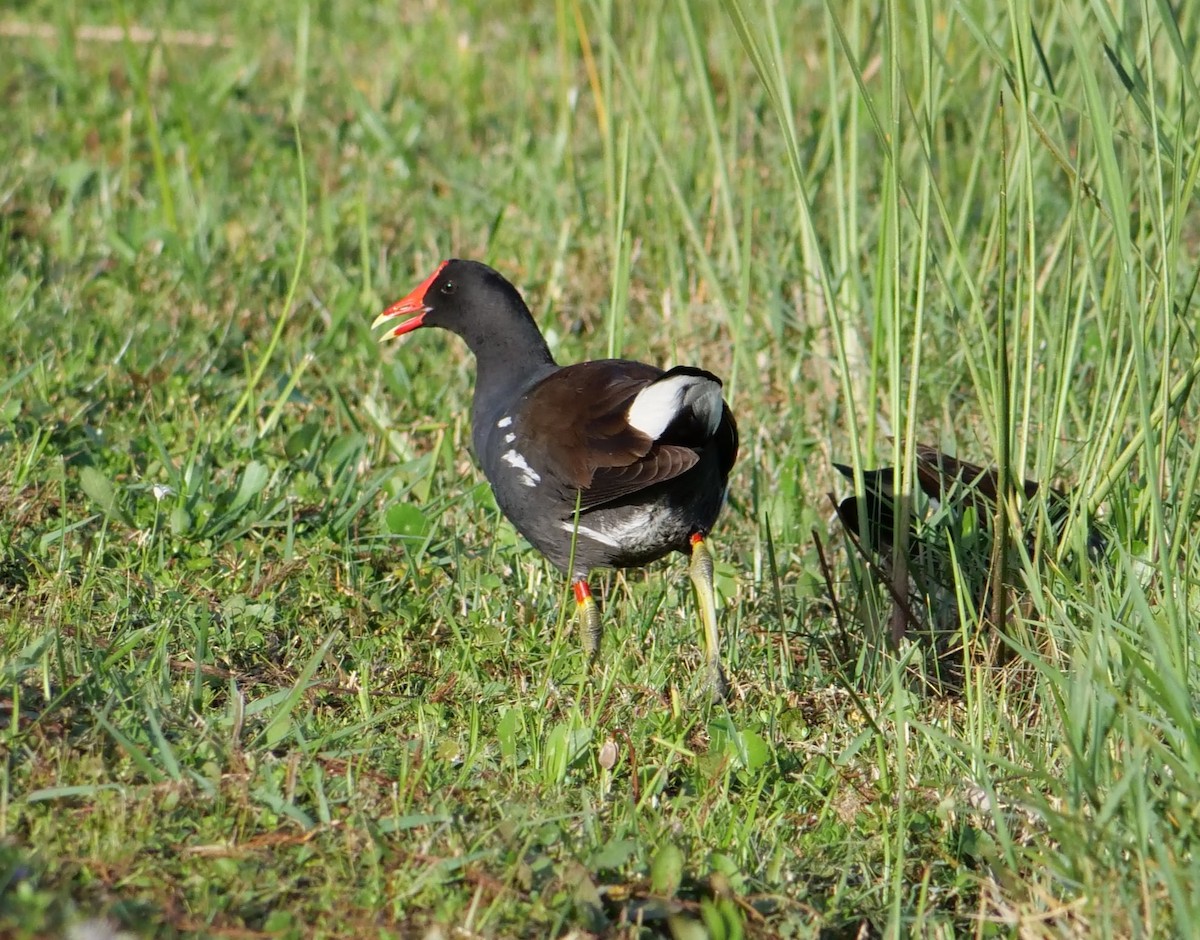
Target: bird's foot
x=701, y=571
x=589, y=619
x=718, y=685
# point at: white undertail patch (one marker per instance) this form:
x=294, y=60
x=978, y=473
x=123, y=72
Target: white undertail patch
x=529, y=476
x=660, y=403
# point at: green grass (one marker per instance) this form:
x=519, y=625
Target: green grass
x=272, y=664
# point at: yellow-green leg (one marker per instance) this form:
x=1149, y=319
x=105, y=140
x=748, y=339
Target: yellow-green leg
x=701, y=570
x=589, y=619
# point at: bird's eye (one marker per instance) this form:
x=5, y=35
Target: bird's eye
x=448, y=287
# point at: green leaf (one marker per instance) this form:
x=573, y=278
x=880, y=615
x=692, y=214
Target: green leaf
x=281, y=721
x=254, y=478
x=300, y=441
x=100, y=491
x=666, y=871
x=279, y=922
x=686, y=927
x=564, y=745
x=180, y=521
x=345, y=450
x=714, y=923
x=506, y=731
x=613, y=854
x=407, y=520
x=756, y=750
x=731, y=916
x=749, y=750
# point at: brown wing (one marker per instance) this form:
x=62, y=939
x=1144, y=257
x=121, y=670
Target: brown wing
x=601, y=455
x=941, y=476
x=938, y=474
x=664, y=462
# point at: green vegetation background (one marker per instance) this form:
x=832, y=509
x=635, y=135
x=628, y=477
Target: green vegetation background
x=272, y=664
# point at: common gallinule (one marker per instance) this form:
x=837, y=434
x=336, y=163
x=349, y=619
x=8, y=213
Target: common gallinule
x=945, y=480
x=944, y=540
x=604, y=464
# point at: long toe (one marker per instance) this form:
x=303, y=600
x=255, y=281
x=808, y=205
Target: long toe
x=717, y=683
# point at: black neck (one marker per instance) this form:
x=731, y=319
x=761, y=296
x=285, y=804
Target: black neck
x=508, y=348
x=507, y=360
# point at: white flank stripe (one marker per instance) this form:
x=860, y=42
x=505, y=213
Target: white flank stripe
x=509, y=438
x=504, y=422
x=657, y=405
x=529, y=476
x=593, y=534
x=614, y=536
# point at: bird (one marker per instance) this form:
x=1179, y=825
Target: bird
x=956, y=534
x=944, y=480
x=609, y=463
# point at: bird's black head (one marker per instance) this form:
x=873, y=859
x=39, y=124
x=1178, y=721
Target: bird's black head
x=464, y=297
